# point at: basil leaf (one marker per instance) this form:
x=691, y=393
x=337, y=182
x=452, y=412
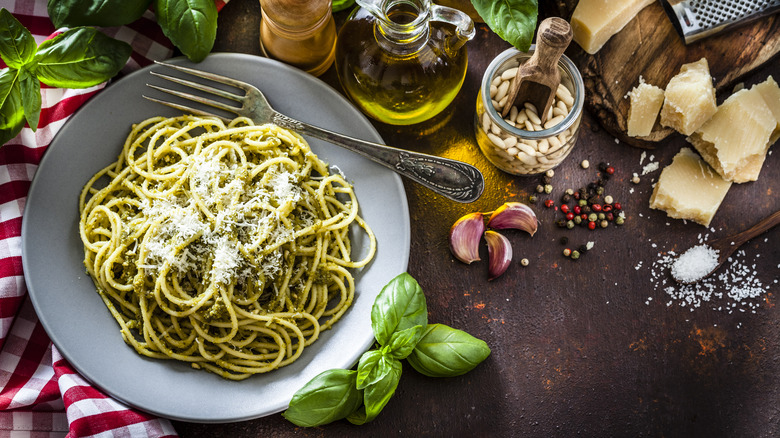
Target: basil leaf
x=399, y=306
x=402, y=343
x=17, y=45
x=446, y=352
x=11, y=112
x=376, y=395
x=191, y=25
x=371, y=368
x=72, y=13
x=80, y=58
x=513, y=20
x=328, y=397
x=340, y=5
x=30, y=88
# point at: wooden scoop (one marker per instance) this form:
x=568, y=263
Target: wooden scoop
x=537, y=79
x=727, y=245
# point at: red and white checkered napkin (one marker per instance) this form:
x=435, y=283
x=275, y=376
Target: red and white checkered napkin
x=40, y=393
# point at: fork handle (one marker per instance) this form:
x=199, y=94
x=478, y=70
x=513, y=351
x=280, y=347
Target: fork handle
x=452, y=179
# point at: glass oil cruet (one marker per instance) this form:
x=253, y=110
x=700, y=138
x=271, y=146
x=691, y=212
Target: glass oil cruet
x=403, y=61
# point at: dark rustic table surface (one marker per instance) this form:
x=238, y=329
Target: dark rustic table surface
x=603, y=346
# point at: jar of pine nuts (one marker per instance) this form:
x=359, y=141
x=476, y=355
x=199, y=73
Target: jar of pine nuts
x=519, y=144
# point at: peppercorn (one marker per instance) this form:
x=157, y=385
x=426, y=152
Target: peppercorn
x=567, y=252
x=585, y=164
x=565, y=198
x=564, y=240
x=604, y=224
x=617, y=206
x=582, y=202
x=569, y=216
x=560, y=223
x=602, y=216
x=603, y=166
x=583, y=248
x=564, y=208
x=585, y=209
x=596, y=207
x=584, y=216
x=610, y=217
x=610, y=170
x=592, y=225
x=548, y=188
x=600, y=182
x=619, y=220
x=540, y=188
x=600, y=191
x=570, y=224
x=524, y=262
x=593, y=217
x=532, y=199
x=635, y=179
x=576, y=195
x=577, y=220
x=569, y=192
x=549, y=203
x=608, y=199
x=577, y=209
x=549, y=173
x=593, y=200
x=606, y=208
x=575, y=255
x=546, y=179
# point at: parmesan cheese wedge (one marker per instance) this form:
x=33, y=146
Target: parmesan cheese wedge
x=689, y=189
x=770, y=91
x=736, y=139
x=689, y=99
x=593, y=22
x=646, y=102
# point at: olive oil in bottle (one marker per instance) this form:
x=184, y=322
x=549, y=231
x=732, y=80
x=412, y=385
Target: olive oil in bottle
x=399, y=62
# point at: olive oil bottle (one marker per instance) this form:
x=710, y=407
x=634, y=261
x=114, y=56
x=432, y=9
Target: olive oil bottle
x=403, y=61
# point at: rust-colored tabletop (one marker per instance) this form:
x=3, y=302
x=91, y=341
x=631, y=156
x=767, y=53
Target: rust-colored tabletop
x=603, y=346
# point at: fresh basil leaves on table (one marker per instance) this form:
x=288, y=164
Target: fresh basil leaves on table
x=191, y=25
x=78, y=58
x=513, y=20
x=399, y=319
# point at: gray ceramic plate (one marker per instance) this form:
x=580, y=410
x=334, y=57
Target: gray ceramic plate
x=80, y=325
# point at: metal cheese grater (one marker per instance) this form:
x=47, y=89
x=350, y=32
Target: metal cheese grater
x=696, y=19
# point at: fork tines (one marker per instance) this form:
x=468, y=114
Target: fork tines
x=201, y=87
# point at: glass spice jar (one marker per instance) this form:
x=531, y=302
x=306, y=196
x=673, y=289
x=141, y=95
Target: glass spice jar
x=515, y=144
x=301, y=33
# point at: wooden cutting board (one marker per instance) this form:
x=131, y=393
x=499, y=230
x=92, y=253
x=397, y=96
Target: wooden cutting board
x=650, y=47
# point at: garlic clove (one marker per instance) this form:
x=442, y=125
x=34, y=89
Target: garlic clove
x=499, y=253
x=465, y=235
x=514, y=215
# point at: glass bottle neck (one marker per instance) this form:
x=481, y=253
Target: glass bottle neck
x=403, y=29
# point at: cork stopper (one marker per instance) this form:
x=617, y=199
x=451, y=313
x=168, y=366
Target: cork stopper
x=295, y=14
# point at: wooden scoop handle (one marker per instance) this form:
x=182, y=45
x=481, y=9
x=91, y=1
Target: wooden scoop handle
x=537, y=79
x=552, y=39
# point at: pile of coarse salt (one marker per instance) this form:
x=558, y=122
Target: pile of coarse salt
x=734, y=287
x=695, y=263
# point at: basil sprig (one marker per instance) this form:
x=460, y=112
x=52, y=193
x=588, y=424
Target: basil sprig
x=512, y=20
x=399, y=319
x=78, y=58
x=191, y=25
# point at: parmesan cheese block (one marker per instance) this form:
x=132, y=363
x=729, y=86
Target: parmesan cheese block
x=595, y=21
x=735, y=140
x=646, y=102
x=689, y=100
x=771, y=94
x=689, y=189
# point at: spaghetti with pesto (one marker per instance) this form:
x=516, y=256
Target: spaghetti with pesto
x=223, y=245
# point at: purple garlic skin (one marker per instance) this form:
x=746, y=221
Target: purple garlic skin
x=499, y=254
x=514, y=215
x=465, y=235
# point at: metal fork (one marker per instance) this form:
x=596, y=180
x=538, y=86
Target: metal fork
x=453, y=179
